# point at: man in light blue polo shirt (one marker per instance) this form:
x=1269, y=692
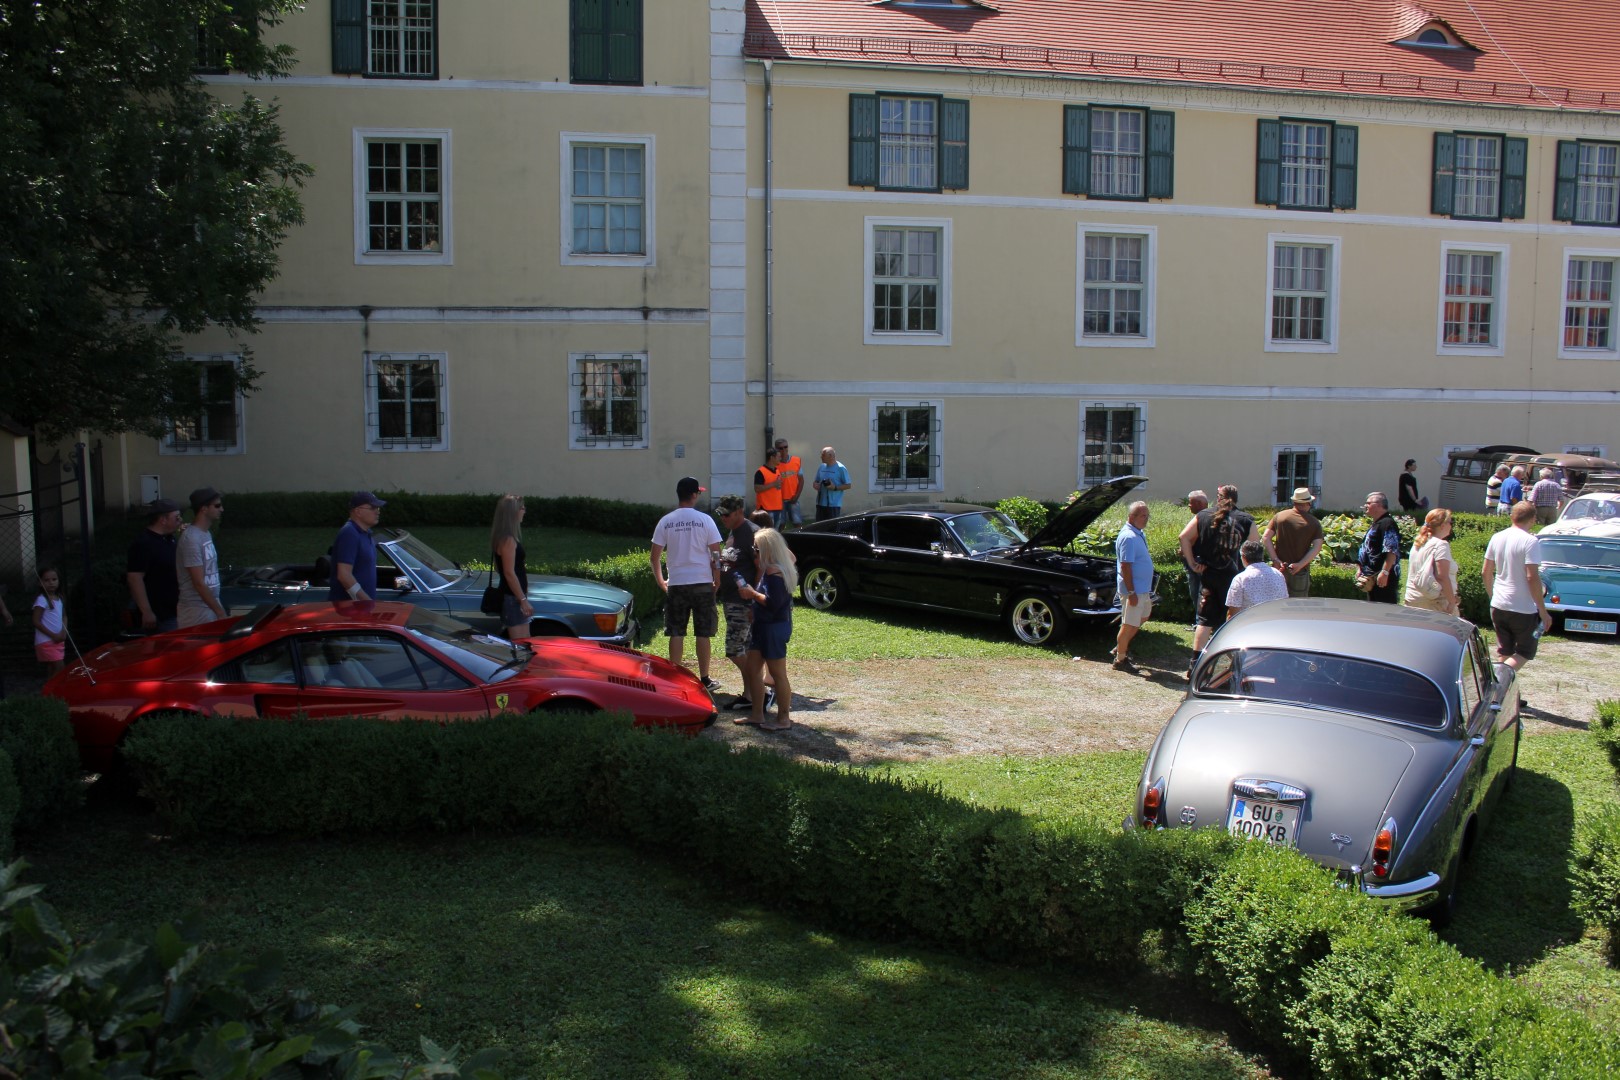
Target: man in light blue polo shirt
x=831, y=481
x=1133, y=583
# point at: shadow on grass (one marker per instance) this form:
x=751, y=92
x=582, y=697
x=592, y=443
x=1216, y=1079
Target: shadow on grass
x=1513, y=904
x=586, y=959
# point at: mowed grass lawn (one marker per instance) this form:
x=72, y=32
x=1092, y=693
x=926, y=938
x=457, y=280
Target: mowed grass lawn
x=591, y=960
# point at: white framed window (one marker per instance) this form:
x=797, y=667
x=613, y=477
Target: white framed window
x=608, y=401
x=1589, y=305
x=217, y=425
x=1477, y=183
x=1116, y=274
x=1597, y=183
x=1473, y=285
x=1118, y=151
x=402, y=197
x=905, y=446
x=1294, y=467
x=407, y=402
x=908, y=281
x=607, y=199
x=401, y=37
x=1113, y=440
x=1302, y=293
x=1307, y=155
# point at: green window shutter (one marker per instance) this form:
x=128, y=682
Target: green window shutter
x=587, y=46
x=1268, y=163
x=1346, y=140
x=953, y=156
x=1445, y=168
x=1564, y=187
x=863, y=140
x=1515, y=152
x=624, y=41
x=349, y=37
x=1076, y=149
x=1161, y=155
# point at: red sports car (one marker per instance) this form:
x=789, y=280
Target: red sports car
x=362, y=658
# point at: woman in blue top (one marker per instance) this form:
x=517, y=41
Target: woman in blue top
x=773, y=626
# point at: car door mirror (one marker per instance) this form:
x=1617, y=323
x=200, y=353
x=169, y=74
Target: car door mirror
x=403, y=584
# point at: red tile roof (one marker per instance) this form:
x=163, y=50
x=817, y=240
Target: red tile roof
x=1539, y=53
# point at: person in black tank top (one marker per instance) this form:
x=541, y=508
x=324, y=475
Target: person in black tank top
x=506, y=551
x=1210, y=544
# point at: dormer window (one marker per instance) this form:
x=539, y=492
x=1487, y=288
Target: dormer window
x=1435, y=35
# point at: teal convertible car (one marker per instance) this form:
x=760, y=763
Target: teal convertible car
x=409, y=570
x=1581, y=573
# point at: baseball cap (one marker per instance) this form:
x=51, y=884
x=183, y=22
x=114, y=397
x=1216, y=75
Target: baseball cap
x=366, y=498
x=202, y=497
x=730, y=504
x=688, y=486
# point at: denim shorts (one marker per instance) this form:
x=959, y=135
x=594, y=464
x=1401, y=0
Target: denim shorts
x=511, y=612
x=695, y=602
x=770, y=639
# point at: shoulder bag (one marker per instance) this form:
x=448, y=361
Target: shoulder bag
x=1421, y=579
x=495, y=591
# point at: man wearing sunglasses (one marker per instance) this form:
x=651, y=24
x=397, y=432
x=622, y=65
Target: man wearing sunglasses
x=197, y=562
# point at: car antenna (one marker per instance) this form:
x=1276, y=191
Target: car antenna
x=86, y=667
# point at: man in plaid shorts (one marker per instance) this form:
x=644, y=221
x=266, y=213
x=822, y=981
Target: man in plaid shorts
x=690, y=541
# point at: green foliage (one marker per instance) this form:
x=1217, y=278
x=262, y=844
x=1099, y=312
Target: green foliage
x=407, y=509
x=143, y=207
x=1029, y=515
x=1606, y=730
x=1595, y=873
x=10, y=800
x=36, y=735
x=172, y=1004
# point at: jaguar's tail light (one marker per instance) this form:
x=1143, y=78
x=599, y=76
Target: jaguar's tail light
x=1384, y=847
x=1153, y=804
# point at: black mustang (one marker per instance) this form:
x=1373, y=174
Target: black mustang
x=965, y=559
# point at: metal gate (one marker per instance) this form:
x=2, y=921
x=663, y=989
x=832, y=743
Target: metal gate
x=33, y=535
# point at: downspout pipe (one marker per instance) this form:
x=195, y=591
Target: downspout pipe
x=770, y=280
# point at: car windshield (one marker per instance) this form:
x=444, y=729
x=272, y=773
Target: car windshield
x=486, y=657
x=989, y=531
x=1573, y=551
x=433, y=570
x=1340, y=683
x=1600, y=509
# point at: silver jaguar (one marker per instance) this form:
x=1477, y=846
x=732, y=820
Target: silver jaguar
x=1372, y=738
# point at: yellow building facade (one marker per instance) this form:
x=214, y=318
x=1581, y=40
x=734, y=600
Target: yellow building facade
x=592, y=247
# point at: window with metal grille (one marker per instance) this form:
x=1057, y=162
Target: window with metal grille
x=216, y=424
x=1113, y=443
x=905, y=445
x=406, y=405
x=401, y=37
x=403, y=196
x=1297, y=467
x=610, y=401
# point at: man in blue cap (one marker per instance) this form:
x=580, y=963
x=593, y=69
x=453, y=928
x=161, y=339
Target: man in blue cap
x=354, y=552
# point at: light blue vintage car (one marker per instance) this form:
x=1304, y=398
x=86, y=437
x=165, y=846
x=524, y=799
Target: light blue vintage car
x=1581, y=573
x=410, y=571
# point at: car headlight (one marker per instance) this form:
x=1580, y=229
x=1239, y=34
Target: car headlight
x=1094, y=598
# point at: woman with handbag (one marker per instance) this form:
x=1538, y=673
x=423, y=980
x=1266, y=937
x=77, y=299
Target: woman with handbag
x=506, y=552
x=1431, y=580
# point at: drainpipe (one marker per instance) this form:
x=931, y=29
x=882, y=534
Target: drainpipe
x=770, y=312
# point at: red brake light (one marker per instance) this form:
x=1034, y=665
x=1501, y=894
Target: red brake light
x=1383, y=846
x=1153, y=803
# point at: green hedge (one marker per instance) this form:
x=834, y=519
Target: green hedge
x=171, y=1004
x=1320, y=973
x=38, y=739
x=1595, y=873
x=10, y=801
x=408, y=508
x=1606, y=730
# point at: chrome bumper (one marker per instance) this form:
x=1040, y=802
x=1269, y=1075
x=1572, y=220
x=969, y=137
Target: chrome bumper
x=1420, y=892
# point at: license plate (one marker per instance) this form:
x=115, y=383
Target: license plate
x=1275, y=823
x=1590, y=626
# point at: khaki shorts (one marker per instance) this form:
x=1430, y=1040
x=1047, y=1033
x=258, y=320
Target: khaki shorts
x=1136, y=616
x=1546, y=515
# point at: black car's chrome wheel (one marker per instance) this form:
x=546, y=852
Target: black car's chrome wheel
x=1034, y=621
x=823, y=588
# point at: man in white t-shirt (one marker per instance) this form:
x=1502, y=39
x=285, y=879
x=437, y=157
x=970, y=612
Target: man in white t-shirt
x=689, y=541
x=1513, y=578
x=1259, y=582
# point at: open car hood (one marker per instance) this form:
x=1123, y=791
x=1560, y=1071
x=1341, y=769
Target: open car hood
x=1088, y=506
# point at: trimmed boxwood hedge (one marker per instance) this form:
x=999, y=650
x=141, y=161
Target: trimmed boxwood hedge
x=38, y=740
x=1322, y=974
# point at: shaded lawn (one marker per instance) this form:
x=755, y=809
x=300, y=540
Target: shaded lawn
x=591, y=960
